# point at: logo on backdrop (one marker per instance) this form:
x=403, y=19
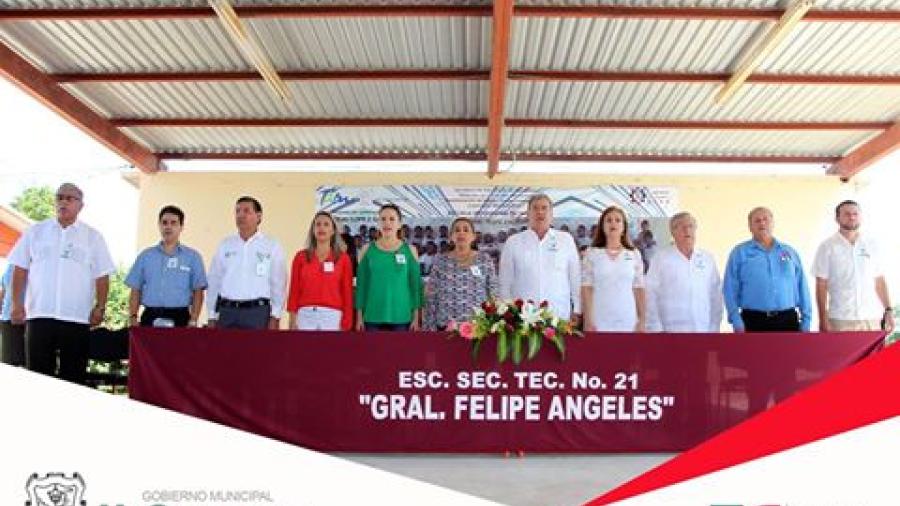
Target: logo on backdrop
x=55, y=489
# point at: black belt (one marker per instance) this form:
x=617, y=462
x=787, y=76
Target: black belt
x=242, y=304
x=768, y=314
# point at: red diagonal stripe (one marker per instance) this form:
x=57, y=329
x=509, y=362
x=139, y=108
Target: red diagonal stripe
x=865, y=393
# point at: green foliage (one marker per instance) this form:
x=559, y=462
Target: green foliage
x=36, y=202
x=117, y=304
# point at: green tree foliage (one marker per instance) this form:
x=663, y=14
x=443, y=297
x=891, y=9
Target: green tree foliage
x=36, y=202
x=117, y=304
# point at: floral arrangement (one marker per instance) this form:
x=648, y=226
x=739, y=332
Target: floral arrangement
x=520, y=328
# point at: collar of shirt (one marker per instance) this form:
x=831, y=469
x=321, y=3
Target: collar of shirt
x=776, y=245
x=178, y=249
x=74, y=226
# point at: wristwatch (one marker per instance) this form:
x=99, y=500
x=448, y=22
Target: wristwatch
x=889, y=309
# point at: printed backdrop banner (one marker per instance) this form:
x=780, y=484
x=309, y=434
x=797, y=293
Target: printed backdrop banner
x=422, y=392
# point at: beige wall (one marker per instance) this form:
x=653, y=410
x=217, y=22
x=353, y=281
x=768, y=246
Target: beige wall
x=802, y=205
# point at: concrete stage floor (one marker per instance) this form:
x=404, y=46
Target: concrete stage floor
x=533, y=480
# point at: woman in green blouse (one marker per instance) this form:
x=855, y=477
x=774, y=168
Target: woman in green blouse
x=388, y=281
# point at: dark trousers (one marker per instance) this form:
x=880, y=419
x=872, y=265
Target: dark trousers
x=774, y=383
x=180, y=315
x=12, y=343
x=245, y=318
x=387, y=327
x=45, y=337
x=771, y=321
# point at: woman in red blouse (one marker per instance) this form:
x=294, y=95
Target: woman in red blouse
x=321, y=295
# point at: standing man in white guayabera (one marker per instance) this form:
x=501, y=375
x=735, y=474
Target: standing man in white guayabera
x=541, y=263
x=248, y=275
x=684, y=290
x=66, y=265
x=851, y=293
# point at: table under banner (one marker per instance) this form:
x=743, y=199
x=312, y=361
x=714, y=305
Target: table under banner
x=423, y=392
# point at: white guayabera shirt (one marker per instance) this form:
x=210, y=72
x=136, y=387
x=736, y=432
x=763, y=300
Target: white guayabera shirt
x=683, y=294
x=63, y=265
x=548, y=269
x=851, y=271
x=248, y=270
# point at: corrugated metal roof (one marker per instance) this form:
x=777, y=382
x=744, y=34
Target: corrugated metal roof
x=730, y=4
x=680, y=142
x=838, y=48
x=292, y=44
x=627, y=44
x=253, y=99
x=700, y=46
x=376, y=43
x=331, y=140
x=124, y=46
x=694, y=101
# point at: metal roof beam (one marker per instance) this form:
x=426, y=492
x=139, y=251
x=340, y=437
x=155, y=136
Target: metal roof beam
x=600, y=124
x=44, y=89
x=522, y=157
x=299, y=11
x=502, y=27
x=476, y=75
x=868, y=153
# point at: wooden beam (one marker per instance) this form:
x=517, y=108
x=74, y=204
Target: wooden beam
x=300, y=122
x=44, y=89
x=523, y=157
x=299, y=11
x=502, y=26
x=601, y=124
x=478, y=75
x=868, y=153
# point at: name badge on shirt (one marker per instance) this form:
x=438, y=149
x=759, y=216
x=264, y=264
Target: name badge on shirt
x=172, y=263
x=699, y=265
x=401, y=258
x=328, y=266
x=262, y=267
x=476, y=270
x=67, y=251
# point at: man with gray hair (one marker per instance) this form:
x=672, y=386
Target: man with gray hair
x=66, y=265
x=541, y=263
x=684, y=291
x=765, y=287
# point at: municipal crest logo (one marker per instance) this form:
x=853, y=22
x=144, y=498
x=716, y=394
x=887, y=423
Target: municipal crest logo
x=55, y=489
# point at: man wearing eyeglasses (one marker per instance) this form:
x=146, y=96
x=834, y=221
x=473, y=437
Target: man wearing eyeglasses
x=66, y=265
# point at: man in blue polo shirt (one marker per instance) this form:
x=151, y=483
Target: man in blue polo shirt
x=168, y=279
x=765, y=287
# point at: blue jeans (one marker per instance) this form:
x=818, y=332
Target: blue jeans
x=387, y=327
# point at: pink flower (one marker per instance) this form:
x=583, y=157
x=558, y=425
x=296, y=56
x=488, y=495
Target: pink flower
x=451, y=326
x=549, y=333
x=467, y=330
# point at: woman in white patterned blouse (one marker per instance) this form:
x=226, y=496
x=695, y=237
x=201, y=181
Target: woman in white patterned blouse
x=460, y=280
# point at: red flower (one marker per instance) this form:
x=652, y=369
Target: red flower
x=509, y=317
x=545, y=304
x=489, y=308
x=520, y=303
x=509, y=328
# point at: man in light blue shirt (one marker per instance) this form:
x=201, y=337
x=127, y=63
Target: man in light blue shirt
x=12, y=337
x=168, y=279
x=765, y=287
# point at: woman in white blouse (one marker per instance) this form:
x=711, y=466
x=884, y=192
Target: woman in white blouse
x=612, y=278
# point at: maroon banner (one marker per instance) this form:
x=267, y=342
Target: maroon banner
x=422, y=392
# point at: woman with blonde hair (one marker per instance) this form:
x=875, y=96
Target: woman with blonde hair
x=321, y=293
x=612, y=278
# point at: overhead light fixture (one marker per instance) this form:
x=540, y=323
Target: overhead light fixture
x=250, y=47
x=764, y=47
